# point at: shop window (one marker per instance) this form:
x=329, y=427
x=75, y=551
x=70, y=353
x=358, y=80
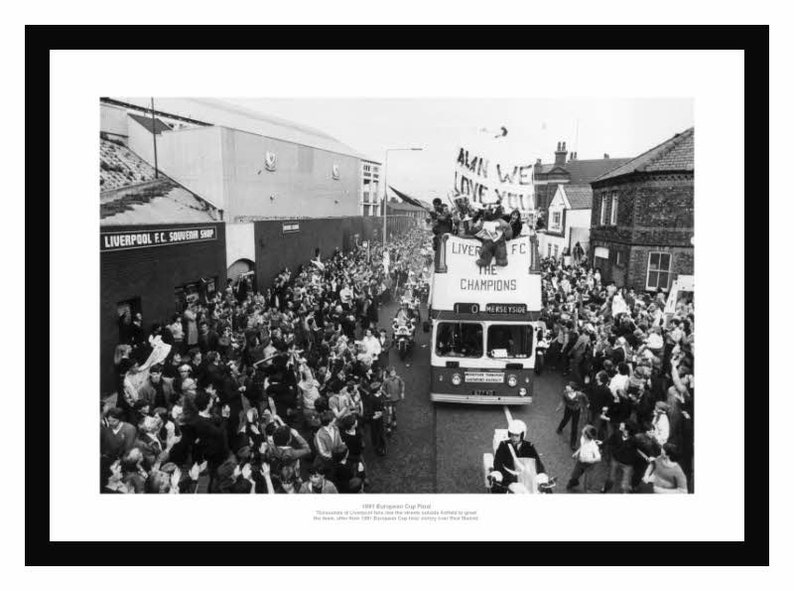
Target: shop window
x=658, y=270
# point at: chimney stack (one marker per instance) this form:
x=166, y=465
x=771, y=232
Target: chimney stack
x=560, y=154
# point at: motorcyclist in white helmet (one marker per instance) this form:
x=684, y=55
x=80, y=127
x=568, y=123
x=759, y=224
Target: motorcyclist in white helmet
x=503, y=459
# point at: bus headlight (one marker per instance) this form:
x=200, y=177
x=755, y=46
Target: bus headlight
x=512, y=381
x=456, y=379
x=522, y=391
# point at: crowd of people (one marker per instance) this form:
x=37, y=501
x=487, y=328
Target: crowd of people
x=279, y=392
x=630, y=370
x=274, y=392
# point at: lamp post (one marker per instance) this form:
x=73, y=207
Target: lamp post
x=386, y=183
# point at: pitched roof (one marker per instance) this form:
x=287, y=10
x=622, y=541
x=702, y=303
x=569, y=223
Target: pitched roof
x=674, y=155
x=233, y=116
x=155, y=202
x=120, y=167
x=579, y=196
x=131, y=194
x=585, y=171
x=159, y=125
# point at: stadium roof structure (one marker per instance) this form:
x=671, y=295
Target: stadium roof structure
x=225, y=114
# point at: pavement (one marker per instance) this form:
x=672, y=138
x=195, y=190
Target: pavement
x=438, y=447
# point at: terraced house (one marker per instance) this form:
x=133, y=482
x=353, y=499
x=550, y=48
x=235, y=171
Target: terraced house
x=643, y=217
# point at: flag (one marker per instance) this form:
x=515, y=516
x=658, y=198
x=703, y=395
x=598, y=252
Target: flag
x=407, y=198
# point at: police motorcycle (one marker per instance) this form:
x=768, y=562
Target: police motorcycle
x=528, y=480
x=404, y=332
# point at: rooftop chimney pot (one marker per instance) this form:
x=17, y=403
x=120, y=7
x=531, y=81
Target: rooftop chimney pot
x=560, y=154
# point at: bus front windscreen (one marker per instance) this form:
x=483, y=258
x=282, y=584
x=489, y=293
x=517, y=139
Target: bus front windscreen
x=510, y=341
x=459, y=339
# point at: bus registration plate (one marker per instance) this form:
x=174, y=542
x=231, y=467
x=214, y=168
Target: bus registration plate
x=483, y=392
x=484, y=377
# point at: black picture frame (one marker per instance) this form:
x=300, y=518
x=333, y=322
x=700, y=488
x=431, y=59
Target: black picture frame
x=753, y=41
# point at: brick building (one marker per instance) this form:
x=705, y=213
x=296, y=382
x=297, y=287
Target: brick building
x=161, y=246
x=567, y=169
x=642, y=224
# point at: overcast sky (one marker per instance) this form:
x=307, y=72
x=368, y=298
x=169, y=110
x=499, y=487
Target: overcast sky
x=621, y=128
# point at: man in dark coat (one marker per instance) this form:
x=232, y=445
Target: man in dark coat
x=503, y=459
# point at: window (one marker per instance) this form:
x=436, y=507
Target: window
x=549, y=253
x=556, y=219
x=613, y=216
x=620, y=258
x=556, y=251
x=459, y=339
x=511, y=341
x=603, y=211
x=658, y=270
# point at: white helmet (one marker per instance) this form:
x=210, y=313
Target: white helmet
x=496, y=476
x=517, y=427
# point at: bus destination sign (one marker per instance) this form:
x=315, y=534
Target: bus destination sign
x=491, y=309
x=505, y=308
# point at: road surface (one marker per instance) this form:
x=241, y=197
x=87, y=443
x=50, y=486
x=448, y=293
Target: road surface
x=438, y=447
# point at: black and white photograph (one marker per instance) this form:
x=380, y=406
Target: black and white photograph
x=352, y=296
x=449, y=293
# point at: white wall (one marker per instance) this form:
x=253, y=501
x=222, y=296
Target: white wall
x=192, y=157
x=140, y=142
x=112, y=120
x=557, y=205
x=544, y=240
x=296, y=190
x=240, y=243
x=576, y=218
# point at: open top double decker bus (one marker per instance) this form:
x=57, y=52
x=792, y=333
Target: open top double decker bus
x=484, y=323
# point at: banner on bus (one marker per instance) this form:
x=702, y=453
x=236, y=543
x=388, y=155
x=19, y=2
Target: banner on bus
x=487, y=177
